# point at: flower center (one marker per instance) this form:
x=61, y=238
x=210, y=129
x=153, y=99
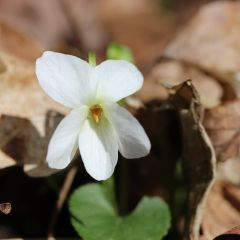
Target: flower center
x=96, y=112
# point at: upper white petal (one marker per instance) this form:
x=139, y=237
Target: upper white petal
x=67, y=79
x=132, y=139
x=99, y=149
x=117, y=79
x=64, y=142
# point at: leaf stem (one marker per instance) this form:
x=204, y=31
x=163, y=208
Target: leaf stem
x=61, y=199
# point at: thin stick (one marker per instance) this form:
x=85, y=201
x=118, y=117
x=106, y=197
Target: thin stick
x=61, y=199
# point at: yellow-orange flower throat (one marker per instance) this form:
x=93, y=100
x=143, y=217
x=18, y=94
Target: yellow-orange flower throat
x=96, y=112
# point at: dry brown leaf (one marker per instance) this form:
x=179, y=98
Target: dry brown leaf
x=18, y=44
x=232, y=234
x=170, y=73
x=228, y=171
x=28, y=116
x=221, y=214
x=197, y=154
x=145, y=26
x=198, y=157
x=223, y=126
x=211, y=41
x=42, y=20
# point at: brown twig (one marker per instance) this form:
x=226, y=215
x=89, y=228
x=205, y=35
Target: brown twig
x=61, y=199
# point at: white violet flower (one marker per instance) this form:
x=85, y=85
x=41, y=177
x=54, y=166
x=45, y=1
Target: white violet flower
x=96, y=123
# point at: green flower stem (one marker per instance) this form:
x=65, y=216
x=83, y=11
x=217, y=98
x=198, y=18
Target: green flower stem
x=92, y=59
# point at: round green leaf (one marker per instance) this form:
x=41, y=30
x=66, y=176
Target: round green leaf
x=94, y=216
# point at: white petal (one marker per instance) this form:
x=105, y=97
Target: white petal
x=65, y=78
x=118, y=79
x=64, y=142
x=98, y=148
x=132, y=139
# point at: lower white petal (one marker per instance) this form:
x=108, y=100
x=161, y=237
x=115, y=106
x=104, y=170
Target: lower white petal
x=64, y=142
x=98, y=148
x=132, y=139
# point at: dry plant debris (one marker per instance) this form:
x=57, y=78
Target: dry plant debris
x=5, y=208
x=166, y=73
x=223, y=126
x=211, y=41
x=26, y=127
x=222, y=211
x=198, y=156
x=197, y=153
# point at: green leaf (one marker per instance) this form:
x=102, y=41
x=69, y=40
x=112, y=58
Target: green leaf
x=94, y=217
x=118, y=51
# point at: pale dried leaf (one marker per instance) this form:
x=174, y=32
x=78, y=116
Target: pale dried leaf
x=18, y=44
x=170, y=72
x=42, y=20
x=211, y=41
x=220, y=214
x=28, y=115
x=223, y=126
x=229, y=171
x=145, y=26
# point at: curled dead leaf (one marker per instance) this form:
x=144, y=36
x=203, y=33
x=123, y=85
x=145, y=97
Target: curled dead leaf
x=197, y=153
x=198, y=156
